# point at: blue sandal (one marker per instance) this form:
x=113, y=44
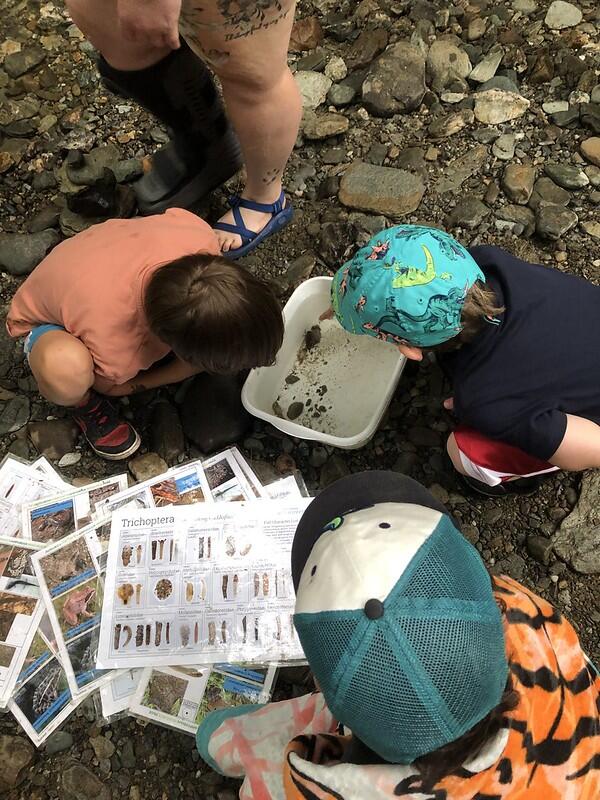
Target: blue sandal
x=281, y=212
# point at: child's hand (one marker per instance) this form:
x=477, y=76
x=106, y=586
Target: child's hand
x=326, y=314
x=449, y=404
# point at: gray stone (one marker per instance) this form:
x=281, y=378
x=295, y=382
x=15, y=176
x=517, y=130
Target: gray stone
x=127, y=755
x=395, y=82
x=595, y=94
x=564, y=118
x=336, y=69
x=72, y=223
x=504, y=146
x=590, y=150
x=13, y=111
x=57, y=742
x=500, y=82
x=449, y=124
x=128, y=170
x=486, y=68
x=381, y=190
x=495, y=106
x=562, y=15
x=146, y=466
x=554, y=106
x=567, y=176
x=341, y=94
x=300, y=269
x=94, y=163
x=578, y=539
x=552, y=222
x=546, y=191
x=525, y=7
x=14, y=414
x=540, y=548
x=167, y=438
x=313, y=87
x=43, y=180
x=447, y=62
x=520, y=216
x=467, y=213
x=591, y=228
x=16, y=754
x=103, y=747
x=212, y=413
x=44, y=219
x=369, y=44
x=53, y=438
x=17, y=64
x=590, y=116
x=457, y=171
x=517, y=182
x=11, y=153
x=323, y=126
x=513, y=565
x=78, y=783
x=318, y=456
x=69, y=460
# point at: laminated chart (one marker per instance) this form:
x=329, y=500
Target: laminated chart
x=24, y=483
x=200, y=584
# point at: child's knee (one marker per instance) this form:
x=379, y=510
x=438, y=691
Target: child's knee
x=454, y=453
x=64, y=368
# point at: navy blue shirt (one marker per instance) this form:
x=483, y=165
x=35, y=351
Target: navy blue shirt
x=517, y=380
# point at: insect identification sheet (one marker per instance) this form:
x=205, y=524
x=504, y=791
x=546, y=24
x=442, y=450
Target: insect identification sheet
x=54, y=517
x=19, y=610
x=200, y=584
x=68, y=574
x=23, y=483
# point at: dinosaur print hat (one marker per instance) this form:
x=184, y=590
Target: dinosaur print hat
x=406, y=286
x=396, y=615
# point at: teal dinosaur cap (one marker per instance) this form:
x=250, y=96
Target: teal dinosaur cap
x=406, y=286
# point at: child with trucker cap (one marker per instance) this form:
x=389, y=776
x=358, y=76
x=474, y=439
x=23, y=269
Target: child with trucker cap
x=436, y=682
x=519, y=342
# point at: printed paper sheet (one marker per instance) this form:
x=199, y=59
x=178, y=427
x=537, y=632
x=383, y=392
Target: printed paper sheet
x=200, y=584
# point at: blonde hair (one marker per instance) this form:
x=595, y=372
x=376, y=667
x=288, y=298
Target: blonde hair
x=480, y=303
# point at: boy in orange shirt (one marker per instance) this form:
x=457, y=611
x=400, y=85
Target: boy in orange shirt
x=105, y=306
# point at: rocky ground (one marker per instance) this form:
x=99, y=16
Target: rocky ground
x=493, y=132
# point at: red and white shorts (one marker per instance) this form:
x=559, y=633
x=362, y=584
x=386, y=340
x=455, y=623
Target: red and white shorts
x=493, y=462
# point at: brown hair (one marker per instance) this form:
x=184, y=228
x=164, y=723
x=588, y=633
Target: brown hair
x=213, y=314
x=480, y=302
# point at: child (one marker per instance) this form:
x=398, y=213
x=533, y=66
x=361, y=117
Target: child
x=454, y=686
x=105, y=306
x=519, y=342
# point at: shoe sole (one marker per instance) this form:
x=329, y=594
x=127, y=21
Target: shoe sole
x=119, y=456
x=192, y=192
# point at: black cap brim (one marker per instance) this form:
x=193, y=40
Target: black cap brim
x=352, y=493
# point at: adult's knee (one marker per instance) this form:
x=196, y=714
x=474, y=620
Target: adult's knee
x=250, y=83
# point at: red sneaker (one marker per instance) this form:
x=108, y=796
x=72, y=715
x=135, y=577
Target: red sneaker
x=108, y=435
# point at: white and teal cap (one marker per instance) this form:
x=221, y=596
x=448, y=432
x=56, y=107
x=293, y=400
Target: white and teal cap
x=396, y=616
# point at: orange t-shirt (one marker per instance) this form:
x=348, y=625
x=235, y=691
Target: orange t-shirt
x=93, y=285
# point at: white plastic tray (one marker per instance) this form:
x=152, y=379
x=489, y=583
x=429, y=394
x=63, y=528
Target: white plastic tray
x=361, y=377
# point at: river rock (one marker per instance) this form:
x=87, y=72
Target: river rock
x=562, y=15
x=552, y=222
x=167, y=438
x=495, y=106
x=336, y=69
x=147, y=466
x=17, y=64
x=449, y=124
x=103, y=747
x=396, y=81
x=486, y=68
x=447, y=62
x=20, y=253
x=53, y=438
x=44, y=219
x=504, y=146
x=567, y=176
x=467, y=213
x=381, y=190
x=369, y=44
x=540, y=548
x=322, y=126
x=546, y=191
x=11, y=153
x=590, y=116
x=79, y=783
x=591, y=228
x=578, y=538
x=517, y=182
x=89, y=169
x=212, y=413
x=306, y=34
x=14, y=111
x=590, y=150
x=313, y=87
x=521, y=217
x=341, y=94
x=16, y=754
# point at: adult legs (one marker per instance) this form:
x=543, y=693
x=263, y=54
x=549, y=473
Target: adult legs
x=247, y=48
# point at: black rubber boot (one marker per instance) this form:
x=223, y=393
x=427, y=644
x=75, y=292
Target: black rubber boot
x=203, y=152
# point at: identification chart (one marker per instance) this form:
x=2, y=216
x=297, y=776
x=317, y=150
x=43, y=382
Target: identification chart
x=23, y=483
x=200, y=584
